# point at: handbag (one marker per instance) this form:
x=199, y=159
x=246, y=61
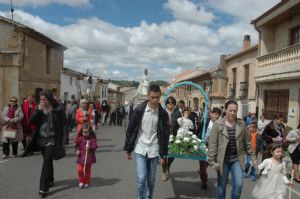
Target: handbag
x=59, y=152
x=9, y=133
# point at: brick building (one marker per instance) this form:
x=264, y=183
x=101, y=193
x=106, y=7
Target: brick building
x=29, y=61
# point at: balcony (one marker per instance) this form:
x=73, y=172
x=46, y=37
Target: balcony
x=283, y=64
x=243, y=90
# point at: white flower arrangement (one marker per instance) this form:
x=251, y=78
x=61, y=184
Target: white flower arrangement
x=184, y=143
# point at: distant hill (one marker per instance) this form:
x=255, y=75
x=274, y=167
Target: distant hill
x=126, y=83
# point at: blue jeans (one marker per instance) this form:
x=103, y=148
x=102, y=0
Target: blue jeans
x=145, y=173
x=236, y=172
x=248, y=165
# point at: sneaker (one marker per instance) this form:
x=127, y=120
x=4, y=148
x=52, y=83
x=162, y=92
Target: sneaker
x=4, y=157
x=13, y=156
x=81, y=185
x=164, y=177
x=86, y=186
x=42, y=194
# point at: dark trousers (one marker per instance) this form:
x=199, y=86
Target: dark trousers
x=112, y=118
x=47, y=168
x=6, y=147
x=167, y=165
x=202, y=171
x=119, y=119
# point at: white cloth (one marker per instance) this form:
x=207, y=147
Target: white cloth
x=147, y=141
x=293, y=138
x=261, y=125
x=184, y=123
x=271, y=185
x=210, y=125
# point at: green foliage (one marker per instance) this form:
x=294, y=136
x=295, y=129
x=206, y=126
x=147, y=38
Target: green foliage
x=159, y=83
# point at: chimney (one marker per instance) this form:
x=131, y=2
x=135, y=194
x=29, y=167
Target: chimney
x=246, y=42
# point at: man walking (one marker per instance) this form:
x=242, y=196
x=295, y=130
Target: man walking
x=147, y=135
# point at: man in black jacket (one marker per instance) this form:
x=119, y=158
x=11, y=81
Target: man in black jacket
x=147, y=135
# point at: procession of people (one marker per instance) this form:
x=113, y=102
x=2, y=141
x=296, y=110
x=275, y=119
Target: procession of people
x=234, y=145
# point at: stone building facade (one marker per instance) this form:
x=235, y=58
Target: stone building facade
x=278, y=70
x=240, y=70
x=29, y=61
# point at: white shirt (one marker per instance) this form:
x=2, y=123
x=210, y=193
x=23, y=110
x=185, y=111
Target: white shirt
x=210, y=125
x=147, y=141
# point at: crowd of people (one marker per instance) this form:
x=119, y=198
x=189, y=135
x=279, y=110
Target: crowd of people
x=44, y=126
x=234, y=145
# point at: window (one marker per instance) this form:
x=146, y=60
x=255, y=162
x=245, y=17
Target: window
x=48, y=60
x=71, y=80
x=296, y=35
x=246, y=67
x=234, y=78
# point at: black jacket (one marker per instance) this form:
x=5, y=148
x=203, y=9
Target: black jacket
x=162, y=129
x=60, y=128
x=175, y=115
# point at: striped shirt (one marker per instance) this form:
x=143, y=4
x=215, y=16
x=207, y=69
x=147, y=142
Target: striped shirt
x=231, y=149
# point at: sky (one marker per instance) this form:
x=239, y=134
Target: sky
x=117, y=39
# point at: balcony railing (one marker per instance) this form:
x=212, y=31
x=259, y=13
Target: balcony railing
x=285, y=55
x=243, y=90
x=270, y=114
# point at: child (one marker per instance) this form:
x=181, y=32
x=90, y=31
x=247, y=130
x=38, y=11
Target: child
x=273, y=180
x=184, y=122
x=249, y=166
x=85, y=151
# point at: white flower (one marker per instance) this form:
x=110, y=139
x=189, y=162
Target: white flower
x=196, y=147
x=179, y=136
x=194, y=136
x=199, y=140
x=190, y=133
x=177, y=141
x=171, y=136
x=194, y=141
x=186, y=139
x=171, y=139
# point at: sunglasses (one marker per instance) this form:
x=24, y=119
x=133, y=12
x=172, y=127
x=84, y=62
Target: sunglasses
x=170, y=103
x=13, y=100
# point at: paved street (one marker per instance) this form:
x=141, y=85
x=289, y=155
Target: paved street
x=113, y=176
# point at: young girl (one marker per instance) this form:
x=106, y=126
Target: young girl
x=184, y=122
x=85, y=150
x=273, y=181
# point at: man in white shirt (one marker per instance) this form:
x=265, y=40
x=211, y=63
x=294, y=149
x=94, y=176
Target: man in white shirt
x=148, y=136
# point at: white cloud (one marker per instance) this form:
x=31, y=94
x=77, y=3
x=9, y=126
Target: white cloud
x=36, y=3
x=188, y=11
x=123, y=52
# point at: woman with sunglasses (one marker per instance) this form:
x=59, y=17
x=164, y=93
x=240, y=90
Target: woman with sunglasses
x=12, y=116
x=170, y=107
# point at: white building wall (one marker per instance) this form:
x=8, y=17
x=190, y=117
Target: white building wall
x=68, y=88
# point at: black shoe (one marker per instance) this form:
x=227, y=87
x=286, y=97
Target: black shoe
x=204, y=186
x=43, y=194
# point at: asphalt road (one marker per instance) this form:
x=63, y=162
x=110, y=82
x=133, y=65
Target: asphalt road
x=113, y=176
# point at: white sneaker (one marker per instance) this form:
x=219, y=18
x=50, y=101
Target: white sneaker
x=81, y=185
x=86, y=186
x=164, y=177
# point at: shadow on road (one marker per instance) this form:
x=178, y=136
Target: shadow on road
x=60, y=186
x=186, y=189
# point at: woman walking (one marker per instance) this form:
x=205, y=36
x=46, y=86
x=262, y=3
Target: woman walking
x=227, y=142
x=52, y=132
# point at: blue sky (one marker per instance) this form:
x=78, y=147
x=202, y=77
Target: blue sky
x=117, y=39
